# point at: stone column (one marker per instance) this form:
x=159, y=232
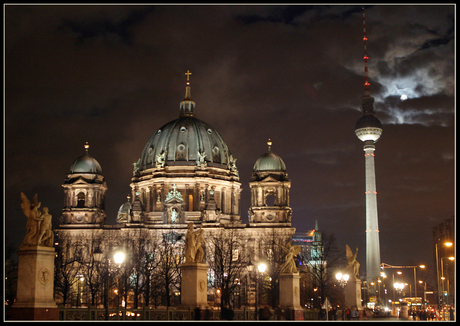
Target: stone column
x=194, y=286
x=289, y=284
x=35, y=299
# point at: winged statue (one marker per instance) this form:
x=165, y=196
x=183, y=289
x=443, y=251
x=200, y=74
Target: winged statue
x=352, y=264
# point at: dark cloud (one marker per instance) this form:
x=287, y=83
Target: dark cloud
x=113, y=74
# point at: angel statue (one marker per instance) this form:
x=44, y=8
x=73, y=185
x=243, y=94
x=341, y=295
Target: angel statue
x=200, y=160
x=352, y=264
x=160, y=160
x=289, y=265
x=39, y=227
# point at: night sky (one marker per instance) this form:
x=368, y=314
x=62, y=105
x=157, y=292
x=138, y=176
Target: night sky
x=112, y=75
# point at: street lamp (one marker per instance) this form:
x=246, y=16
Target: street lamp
x=424, y=291
x=446, y=244
x=118, y=258
x=399, y=287
x=261, y=269
x=415, y=278
x=342, y=279
x=399, y=273
x=98, y=257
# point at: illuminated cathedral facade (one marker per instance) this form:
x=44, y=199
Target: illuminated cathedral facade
x=185, y=174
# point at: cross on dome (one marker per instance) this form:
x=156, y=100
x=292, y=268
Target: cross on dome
x=188, y=73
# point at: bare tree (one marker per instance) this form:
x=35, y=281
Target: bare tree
x=167, y=260
x=67, y=265
x=324, y=260
x=227, y=259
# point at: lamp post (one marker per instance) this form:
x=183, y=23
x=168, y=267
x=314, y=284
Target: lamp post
x=261, y=269
x=342, y=279
x=118, y=258
x=415, y=278
x=424, y=291
x=384, y=276
x=394, y=288
x=446, y=244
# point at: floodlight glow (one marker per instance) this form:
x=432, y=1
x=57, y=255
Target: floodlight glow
x=119, y=257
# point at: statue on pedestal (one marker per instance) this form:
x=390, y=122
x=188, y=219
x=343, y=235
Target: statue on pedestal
x=39, y=226
x=352, y=264
x=193, y=249
x=289, y=265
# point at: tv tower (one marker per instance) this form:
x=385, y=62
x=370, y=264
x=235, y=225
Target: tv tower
x=368, y=129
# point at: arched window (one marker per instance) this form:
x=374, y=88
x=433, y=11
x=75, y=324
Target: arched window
x=81, y=200
x=270, y=200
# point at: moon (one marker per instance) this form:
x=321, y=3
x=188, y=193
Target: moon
x=403, y=97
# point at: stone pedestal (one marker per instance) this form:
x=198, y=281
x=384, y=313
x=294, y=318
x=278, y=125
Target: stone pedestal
x=35, y=299
x=353, y=294
x=289, y=284
x=194, y=285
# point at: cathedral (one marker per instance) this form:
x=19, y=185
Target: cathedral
x=185, y=174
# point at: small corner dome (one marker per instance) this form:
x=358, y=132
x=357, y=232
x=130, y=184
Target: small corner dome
x=125, y=208
x=269, y=162
x=123, y=212
x=86, y=164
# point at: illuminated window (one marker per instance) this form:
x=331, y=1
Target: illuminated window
x=190, y=203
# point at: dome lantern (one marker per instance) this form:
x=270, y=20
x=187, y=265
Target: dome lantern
x=187, y=106
x=269, y=161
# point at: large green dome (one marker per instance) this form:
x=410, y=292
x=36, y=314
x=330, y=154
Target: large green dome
x=182, y=142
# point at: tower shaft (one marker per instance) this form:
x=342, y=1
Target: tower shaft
x=372, y=224
x=368, y=129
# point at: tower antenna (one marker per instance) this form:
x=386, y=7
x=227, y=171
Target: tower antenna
x=366, y=82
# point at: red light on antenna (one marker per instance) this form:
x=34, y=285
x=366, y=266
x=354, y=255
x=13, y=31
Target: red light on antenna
x=367, y=84
x=365, y=38
x=366, y=57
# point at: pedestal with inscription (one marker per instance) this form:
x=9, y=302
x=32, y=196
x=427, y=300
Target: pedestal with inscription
x=289, y=284
x=353, y=294
x=194, y=288
x=35, y=300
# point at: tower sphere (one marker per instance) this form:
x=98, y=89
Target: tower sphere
x=368, y=127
